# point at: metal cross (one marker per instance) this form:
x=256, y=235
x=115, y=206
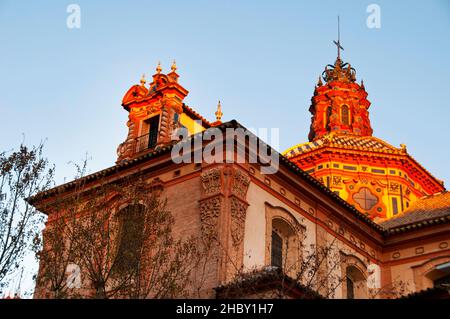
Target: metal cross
x=338, y=43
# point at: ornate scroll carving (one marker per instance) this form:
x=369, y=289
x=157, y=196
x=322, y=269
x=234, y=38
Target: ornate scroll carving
x=238, y=213
x=211, y=181
x=209, y=215
x=241, y=181
x=212, y=205
x=394, y=187
x=164, y=130
x=239, y=187
x=126, y=149
x=337, y=180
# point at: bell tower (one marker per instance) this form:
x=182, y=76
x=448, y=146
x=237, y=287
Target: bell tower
x=339, y=105
x=378, y=179
x=154, y=113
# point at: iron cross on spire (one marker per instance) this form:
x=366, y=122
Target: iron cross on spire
x=338, y=43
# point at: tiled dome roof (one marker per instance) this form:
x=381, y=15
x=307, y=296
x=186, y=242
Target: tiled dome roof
x=346, y=141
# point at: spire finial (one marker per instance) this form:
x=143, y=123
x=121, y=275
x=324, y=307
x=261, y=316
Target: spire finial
x=219, y=113
x=159, y=68
x=319, y=83
x=338, y=43
x=174, y=66
x=143, y=81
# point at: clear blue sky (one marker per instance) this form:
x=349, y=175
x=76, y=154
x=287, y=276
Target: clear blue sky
x=261, y=58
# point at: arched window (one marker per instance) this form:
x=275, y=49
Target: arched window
x=440, y=274
x=283, y=245
x=277, y=250
x=283, y=238
x=131, y=227
x=432, y=272
x=356, y=283
x=345, y=117
x=350, y=289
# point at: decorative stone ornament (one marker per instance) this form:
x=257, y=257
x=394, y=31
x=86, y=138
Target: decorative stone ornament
x=163, y=98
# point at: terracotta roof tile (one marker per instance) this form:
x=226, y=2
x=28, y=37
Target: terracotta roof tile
x=347, y=141
x=353, y=142
x=427, y=208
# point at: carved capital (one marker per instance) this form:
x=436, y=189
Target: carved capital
x=241, y=182
x=211, y=181
x=238, y=213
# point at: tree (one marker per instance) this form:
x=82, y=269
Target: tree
x=120, y=235
x=396, y=289
x=23, y=172
x=56, y=250
x=317, y=271
x=312, y=274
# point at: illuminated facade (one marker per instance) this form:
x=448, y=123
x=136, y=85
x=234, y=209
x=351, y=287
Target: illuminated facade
x=379, y=179
x=259, y=220
x=155, y=112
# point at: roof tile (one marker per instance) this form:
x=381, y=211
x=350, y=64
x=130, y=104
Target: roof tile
x=425, y=209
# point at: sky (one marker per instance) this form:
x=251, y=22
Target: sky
x=262, y=59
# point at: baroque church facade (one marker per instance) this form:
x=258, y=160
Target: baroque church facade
x=386, y=216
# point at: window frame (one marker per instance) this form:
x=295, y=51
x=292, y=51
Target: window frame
x=276, y=250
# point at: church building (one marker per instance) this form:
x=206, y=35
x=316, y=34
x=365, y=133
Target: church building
x=384, y=216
